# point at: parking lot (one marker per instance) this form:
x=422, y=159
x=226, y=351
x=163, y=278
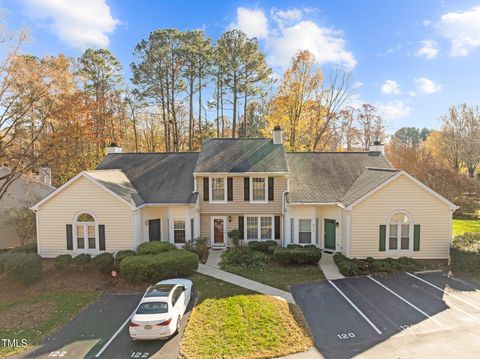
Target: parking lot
x=101, y=331
x=353, y=316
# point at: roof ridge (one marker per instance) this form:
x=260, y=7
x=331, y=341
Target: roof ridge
x=330, y=152
x=389, y=169
x=236, y=139
x=154, y=153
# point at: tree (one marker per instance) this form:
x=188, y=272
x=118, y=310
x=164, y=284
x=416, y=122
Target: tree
x=292, y=106
x=370, y=125
x=24, y=221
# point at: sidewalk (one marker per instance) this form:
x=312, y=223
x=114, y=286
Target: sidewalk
x=329, y=267
x=244, y=282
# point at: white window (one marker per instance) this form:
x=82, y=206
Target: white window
x=266, y=228
x=399, y=232
x=179, y=231
x=86, y=238
x=259, y=228
x=258, y=187
x=218, y=189
x=304, y=231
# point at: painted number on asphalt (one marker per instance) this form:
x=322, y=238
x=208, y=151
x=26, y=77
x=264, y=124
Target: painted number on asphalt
x=344, y=336
x=57, y=354
x=140, y=355
x=406, y=326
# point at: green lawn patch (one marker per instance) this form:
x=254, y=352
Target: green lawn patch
x=279, y=277
x=49, y=311
x=461, y=226
x=244, y=326
x=208, y=287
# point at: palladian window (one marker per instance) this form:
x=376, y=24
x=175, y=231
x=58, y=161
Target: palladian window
x=399, y=232
x=86, y=232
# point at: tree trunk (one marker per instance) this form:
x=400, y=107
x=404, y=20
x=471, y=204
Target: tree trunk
x=234, y=115
x=218, y=106
x=190, y=115
x=200, y=132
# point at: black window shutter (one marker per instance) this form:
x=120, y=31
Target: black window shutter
x=277, y=227
x=246, y=189
x=69, y=238
x=383, y=232
x=416, y=237
x=270, y=188
x=205, y=189
x=230, y=188
x=240, y=226
x=101, y=236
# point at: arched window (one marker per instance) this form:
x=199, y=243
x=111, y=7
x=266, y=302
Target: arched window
x=86, y=233
x=400, y=232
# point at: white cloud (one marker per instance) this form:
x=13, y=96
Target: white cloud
x=252, y=22
x=78, y=23
x=429, y=49
x=358, y=85
x=462, y=29
x=326, y=44
x=283, y=17
x=394, y=109
x=427, y=23
x=427, y=86
x=412, y=93
x=390, y=87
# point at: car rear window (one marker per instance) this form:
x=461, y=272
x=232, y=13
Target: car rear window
x=153, y=308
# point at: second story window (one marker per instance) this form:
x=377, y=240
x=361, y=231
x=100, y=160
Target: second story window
x=259, y=189
x=218, y=188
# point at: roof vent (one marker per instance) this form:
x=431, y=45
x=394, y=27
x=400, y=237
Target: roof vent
x=114, y=148
x=277, y=135
x=377, y=147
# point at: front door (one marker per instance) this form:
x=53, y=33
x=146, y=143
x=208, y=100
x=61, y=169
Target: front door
x=154, y=230
x=330, y=234
x=218, y=230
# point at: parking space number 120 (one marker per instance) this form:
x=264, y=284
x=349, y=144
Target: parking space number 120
x=343, y=336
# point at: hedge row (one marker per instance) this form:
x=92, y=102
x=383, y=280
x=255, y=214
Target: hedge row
x=156, y=247
x=243, y=257
x=152, y=268
x=263, y=246
x=465, y=252
x=297, y=255
x=22, y=267
x=355, y=267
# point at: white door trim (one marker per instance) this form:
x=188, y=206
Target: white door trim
x=212, y=231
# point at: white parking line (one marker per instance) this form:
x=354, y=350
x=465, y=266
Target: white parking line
x=114, y=335
x=406, y=301
x=356, y=308
x=444, y=291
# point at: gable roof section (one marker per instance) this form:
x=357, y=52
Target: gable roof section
x=326, y=177
x=117, y=182
x=221, y=155
x=411, y=178
x=89, y=177
x=157, y=177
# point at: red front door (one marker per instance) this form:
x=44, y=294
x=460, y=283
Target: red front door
x=218, y=231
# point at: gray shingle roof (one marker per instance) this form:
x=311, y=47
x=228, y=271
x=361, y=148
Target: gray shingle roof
x=241, y=155
x=325, y=177
x=117, y=182
x=157, y=177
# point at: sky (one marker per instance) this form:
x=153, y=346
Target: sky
x=412, y=59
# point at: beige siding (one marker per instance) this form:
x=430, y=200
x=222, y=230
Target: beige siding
x=138, y=227
x=433, y=215
x=83, y=196
x=238, y=205
x=151, y=212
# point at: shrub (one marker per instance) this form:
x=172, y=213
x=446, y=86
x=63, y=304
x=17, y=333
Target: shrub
x=26, y=248
x=63, y=261
x=243, y=257
x=123, y=254
x=355, y=266
x=263, y=246
x=3, y=259
x=234, y=235
x=152, y=268
x=104, y=261
x=155, y=247
x=199, y=246
x=23, y=267
x=465, y=252
x=297, y=255
x=82, y=260
x=291, y=246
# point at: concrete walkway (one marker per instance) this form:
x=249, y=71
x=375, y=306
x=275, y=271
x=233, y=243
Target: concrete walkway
x=311, y=353
x=329, y=267
x=214, y=257
x=244, y=282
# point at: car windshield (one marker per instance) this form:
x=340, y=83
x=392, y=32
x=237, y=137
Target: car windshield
x=159, y=290
x=153, y=308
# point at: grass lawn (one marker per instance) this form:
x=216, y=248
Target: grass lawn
x=208, y=287
x=280, y=277
x=463, y=225
x=244, y=326
x=33, y=317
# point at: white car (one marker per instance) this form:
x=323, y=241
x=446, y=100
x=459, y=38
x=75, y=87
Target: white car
x=160, y=311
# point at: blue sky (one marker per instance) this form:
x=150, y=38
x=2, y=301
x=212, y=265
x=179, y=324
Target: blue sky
x=411, y=58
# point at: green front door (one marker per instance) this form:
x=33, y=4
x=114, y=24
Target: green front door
x=330, y=240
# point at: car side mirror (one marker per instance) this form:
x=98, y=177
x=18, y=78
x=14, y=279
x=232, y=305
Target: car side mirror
x=184, y=288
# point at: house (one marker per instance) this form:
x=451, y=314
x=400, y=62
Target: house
x=21, y=193
x=350, y=202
